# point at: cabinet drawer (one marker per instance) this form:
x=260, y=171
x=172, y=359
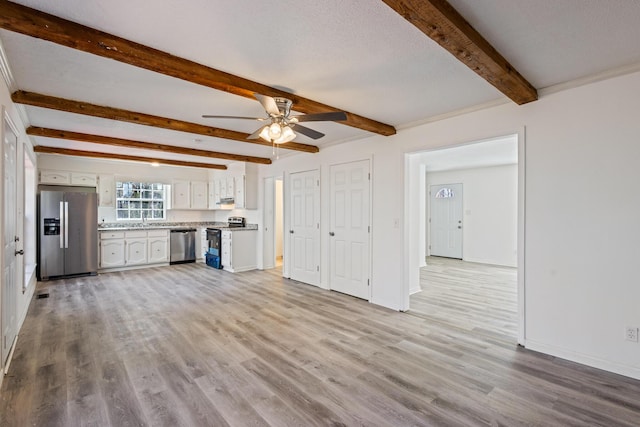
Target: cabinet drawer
x=158, y=233
x=104, y=235
x=136, y=234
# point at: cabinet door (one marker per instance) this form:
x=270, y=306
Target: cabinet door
x=136, y=251
x=85, y=179
x=55, y=177
x=111, y=253
x=231, y=192
x=106, y=190
x=214, y=195
x=239, y=197
x=199, y=192
x=158, y=249
x=181, y=195
x=225, y=248
x=204, y=244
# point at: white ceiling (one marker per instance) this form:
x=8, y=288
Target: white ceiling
x=357, y=55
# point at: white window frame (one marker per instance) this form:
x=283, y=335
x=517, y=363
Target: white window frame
x=144, y=192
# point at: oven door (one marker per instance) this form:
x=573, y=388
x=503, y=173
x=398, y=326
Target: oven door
x=214, y=236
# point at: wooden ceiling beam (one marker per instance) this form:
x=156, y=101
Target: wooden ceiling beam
x=111, y=156
x=31, y=22
x=79, y=107
x=444, y=25
x=127, y=143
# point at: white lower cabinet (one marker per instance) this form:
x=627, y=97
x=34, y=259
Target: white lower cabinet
x=111, y=249
x=133, y=248
x=158, y=244
x=136, y=251
x=204, y=244
x=239, y=250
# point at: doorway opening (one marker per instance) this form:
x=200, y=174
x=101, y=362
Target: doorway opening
x=273, y=252
x=489, y=223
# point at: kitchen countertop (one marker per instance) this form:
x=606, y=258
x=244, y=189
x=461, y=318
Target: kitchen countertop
x=110, y=226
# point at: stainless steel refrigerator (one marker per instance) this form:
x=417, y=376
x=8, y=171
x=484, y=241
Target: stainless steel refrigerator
x=68, y=239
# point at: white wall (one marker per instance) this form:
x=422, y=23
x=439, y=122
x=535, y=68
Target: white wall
x=490, y=209
x=581, y=157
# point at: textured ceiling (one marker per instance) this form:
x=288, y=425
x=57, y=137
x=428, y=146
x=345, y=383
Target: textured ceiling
x=358, y=55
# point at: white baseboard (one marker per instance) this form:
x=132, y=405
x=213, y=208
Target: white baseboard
x=415, y=290
x=584, y=359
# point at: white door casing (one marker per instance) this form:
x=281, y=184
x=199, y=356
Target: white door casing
x=9, y=284
x=268, y=256
x=349, y=230
x=445, y=206
x=305, y=227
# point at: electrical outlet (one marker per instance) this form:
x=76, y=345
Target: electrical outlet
x=631, y=334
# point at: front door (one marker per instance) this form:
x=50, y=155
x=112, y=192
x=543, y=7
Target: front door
x=349, y=229
x=446, y=220
x=305, y=227
x=9, y=242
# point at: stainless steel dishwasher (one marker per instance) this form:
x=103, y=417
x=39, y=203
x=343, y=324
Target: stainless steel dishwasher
x=182, y=245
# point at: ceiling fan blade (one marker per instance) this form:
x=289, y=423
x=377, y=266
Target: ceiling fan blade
x=256, y=134
x=209, y=116
x=313, y=134
x=268, y=103
x=322, y=117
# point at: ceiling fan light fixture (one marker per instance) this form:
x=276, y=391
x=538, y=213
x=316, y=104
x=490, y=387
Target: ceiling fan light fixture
x=275, y=131
x=287, y=135
x=264, y=133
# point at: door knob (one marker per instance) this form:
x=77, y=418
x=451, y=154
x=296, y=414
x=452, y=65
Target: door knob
x=331, y=233
x=291, y=231
x=20, y=252
x=16, y=239
x=459, y=226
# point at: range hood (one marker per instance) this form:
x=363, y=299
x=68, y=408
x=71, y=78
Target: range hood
x=226, y=201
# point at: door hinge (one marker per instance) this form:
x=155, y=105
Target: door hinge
x=368, y=229
x=318, y=183
x=369, y=176
x=429, y=246
x=368, y=282
x=318, y=268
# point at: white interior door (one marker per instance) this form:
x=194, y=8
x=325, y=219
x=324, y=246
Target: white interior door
x=446, y=220
x=305, y=227
x=269, y=257
x=349, y=229
x=9, y=242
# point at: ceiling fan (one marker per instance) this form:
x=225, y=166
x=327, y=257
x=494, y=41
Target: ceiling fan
x=279, y=128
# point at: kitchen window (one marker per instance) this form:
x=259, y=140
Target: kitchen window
x=140, y=201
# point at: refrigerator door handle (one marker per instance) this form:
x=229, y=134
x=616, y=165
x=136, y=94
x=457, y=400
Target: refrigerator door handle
x=61, y=217
x=66, y=225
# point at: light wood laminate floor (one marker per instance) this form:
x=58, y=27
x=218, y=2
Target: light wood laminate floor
x=188, y=345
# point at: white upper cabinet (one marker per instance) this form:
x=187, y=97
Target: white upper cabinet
x=84, y=179
x=181, y=195
x=106, y=190
x=199, y=192
x=239, y=182
x=68, y=178
x=55, y=177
